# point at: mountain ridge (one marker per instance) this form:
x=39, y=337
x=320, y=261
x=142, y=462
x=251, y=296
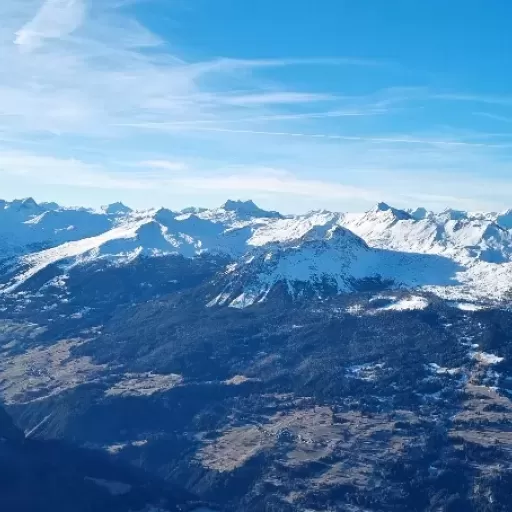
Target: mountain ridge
x=37, y=237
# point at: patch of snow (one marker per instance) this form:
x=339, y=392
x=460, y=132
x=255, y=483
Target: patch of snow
x=244, y=300
x=219, y=300
x=231, y=268
x=237, y=380
x=367, y=372
x=355, y=309
x=466, y=306
x=486, y=358
x=440, y=370
x=33, y=430
x=408, y=304
x=144, y=384
x=118, y=447
x=80, y=314
x=115, y=488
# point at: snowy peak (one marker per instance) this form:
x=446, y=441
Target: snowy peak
x=419, y=213
x=382, y=207
x=320, y=263
x=21, y=209
x=331, y=233
x=452, y=253
x=116, y=209
x=49, y=206
x=248, y=209
x=451, y=214
x=504, y=219
x=24, y=204
x=193, y=209
x=165, y=216
x=389, y=210
x=328, y=260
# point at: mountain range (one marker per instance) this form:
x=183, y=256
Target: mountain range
x=266, y=362
x=455, y=254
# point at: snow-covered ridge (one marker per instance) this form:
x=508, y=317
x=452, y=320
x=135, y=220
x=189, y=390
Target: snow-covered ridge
x=460, y=255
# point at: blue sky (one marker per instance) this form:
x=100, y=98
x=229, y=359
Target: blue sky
x=299, y=105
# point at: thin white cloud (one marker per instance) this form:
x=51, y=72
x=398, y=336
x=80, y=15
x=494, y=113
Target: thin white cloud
x=97, y=75
x=270, y=98
x=255, y=182
x=55, y=19
x=164, y=165
x=95, y=78
x=494, y=117
x=242, y=180
x=354, y=112
x=67, y=172
x=326, y=136
x=475, y=98
x=277, y=185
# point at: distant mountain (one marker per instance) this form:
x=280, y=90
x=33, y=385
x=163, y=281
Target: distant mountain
x=474, y=250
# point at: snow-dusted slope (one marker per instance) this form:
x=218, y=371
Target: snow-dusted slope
x=26, y=225
x=117, y=234
x=328, y=259
x=458, y=235
x=453, y=253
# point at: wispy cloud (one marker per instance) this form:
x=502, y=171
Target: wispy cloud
x=180, y=181
x=270, y=98
x=55, y=19
x=163, y=165
x=84, y=78
x=326, y=136
x=475, y=98
x=91, y=69
x=50, y=170
x=236, y=182
x=494, y=117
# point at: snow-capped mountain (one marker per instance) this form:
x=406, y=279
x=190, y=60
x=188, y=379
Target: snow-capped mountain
x=455, y=254
x=327, y=259
x=462, y=236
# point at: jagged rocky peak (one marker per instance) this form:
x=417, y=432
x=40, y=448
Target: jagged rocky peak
x=248, y=208
x=451, y=214
x=397, y=213
x=117, y=208
x=165, y=216
x=504, y=219
x=49, y=206
x=28, y=203
x=419, y=213
x=193, y=209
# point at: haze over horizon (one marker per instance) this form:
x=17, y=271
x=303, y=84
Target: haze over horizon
x=191, y=103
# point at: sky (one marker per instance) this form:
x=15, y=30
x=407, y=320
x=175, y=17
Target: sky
x=296, y=104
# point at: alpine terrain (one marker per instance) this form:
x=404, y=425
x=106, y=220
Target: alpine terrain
x=164, y=360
